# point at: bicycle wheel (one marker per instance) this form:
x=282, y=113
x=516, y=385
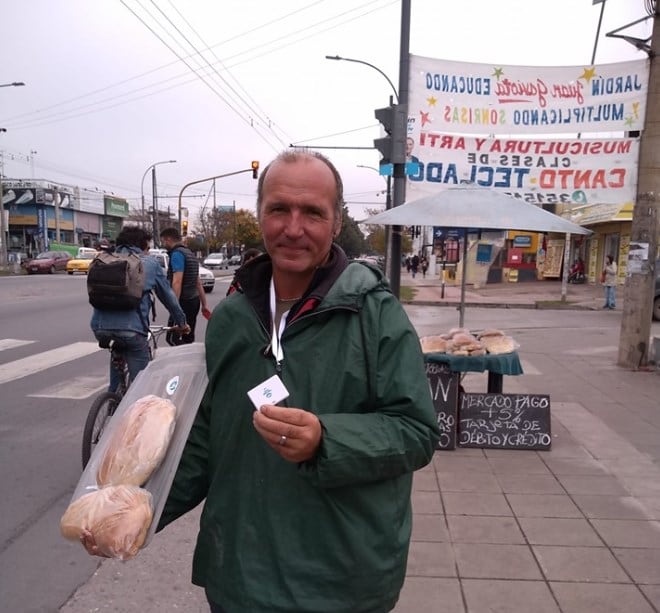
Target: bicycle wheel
x=102, y=409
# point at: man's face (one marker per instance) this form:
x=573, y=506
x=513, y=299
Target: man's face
x=167, y=241
x=410, y=143
x=297, y=215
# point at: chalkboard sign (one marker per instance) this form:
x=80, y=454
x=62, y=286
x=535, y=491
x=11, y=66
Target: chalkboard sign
x=444, y=391
x=504, y=421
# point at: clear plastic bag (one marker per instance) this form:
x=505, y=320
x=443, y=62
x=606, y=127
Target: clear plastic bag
x=177, y=374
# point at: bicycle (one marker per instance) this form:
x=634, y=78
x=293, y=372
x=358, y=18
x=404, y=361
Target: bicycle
x=106, y=403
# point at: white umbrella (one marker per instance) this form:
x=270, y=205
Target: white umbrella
x=478, y=208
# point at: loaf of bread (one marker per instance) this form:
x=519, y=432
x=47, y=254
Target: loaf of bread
x=499, y=344
x=138, y=443
x=434, y=344
x=118, y=516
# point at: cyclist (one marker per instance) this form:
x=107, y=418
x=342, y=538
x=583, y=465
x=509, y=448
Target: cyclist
x=130, y=328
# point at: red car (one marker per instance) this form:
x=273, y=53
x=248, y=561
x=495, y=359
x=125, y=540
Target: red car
x=48, y=261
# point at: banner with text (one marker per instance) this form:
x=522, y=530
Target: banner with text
x=467, y=98
x=540, y=171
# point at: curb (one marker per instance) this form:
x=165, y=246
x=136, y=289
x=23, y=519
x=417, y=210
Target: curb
x=538, y=305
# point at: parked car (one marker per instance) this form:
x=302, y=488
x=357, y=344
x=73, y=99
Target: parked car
x=81, y=262
x=216, y=260
x=235, y=260
x=207, y=278
x=48, y=262
x=656, y=295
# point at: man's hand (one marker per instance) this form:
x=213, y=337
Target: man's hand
x=293, y=433
x=182, y=330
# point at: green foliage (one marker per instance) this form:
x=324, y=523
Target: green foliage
x=351, y=239
x=229, y=228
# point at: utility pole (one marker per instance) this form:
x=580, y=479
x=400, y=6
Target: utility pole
x=638, y=289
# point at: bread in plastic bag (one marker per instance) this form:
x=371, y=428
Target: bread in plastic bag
x=118, y=516
x=139, y=442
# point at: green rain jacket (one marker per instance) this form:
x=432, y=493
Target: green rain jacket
x=330, y=534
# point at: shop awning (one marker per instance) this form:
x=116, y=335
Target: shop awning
x=602, y=213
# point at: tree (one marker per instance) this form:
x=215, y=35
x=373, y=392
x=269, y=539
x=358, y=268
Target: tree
x=225, y=227
x=351, y=239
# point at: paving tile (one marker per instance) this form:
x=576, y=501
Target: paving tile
x=494, y=530
x=490, y=596
x=520, y=455
x=430, y=594
x=628, y=532
x=652, y=593
x=611, y=507
x=559, y=531
x=529, y=484
x=643, y=486
x=530, y=465
x=425, y=481
x=592, y=484
x=542, y=505
x=480, y=561
x=600, y=598
x=642, y=564
x=651, y=505
x=426, y=502
x=576, y=466
x=448, y=463
x=430, y=560
x=579, y=564
x=429, y=528
x=467, y=503
x=467, y=481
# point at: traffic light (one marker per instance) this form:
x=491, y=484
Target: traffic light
x=393, y=146
x=255, y=169
x=184, y=227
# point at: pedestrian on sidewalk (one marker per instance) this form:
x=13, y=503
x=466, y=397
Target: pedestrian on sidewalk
x=425, y=266
x=609, y=281
x=306, y=505
x=414, y=265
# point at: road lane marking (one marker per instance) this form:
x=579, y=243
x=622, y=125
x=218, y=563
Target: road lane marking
x=10, y=343
x=529, y=368
x=77, y=388
x=41, y=361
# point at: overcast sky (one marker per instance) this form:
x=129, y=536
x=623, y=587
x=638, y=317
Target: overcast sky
x=105, y=97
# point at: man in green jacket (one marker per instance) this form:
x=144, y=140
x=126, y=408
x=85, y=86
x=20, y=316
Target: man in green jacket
x=307, y=503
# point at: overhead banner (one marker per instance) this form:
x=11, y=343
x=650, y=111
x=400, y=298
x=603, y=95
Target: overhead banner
x=467, y=98
x=540, y=171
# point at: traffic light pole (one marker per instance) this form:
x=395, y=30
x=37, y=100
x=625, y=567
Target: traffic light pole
x=253, y=169
x=399, y=172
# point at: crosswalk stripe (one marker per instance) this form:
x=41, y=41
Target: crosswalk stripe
x=47, y=359
x=529, y=368
x=10, y=343
x=76, y=388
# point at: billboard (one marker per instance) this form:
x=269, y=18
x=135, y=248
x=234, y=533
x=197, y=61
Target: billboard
x=469, y=98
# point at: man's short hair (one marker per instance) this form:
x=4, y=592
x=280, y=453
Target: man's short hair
x=134, y=236
x=290, y=156
x=171, y=232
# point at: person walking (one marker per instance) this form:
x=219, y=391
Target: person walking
x=131, y=327
x=299, y=496
x=414, y=265
x=183, y=275
x=609, y=281
x=425, y=266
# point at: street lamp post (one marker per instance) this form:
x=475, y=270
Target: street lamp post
x=13, y=84
x=393, y=249
x=3, y=231
x=153, y=169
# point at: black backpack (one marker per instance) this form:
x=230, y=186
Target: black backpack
x=115, y=281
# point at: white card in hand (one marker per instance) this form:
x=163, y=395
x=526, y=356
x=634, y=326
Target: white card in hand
x=271, y=391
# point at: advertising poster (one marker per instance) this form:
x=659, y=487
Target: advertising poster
x=469, y=98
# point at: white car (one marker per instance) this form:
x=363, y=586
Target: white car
x=216, y=260
x=208, y=279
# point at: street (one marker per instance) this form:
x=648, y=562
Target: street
x=51, y=369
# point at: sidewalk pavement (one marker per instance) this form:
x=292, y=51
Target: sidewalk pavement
x=571, y=530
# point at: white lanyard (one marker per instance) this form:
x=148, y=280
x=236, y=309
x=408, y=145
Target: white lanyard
x=276, y=338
